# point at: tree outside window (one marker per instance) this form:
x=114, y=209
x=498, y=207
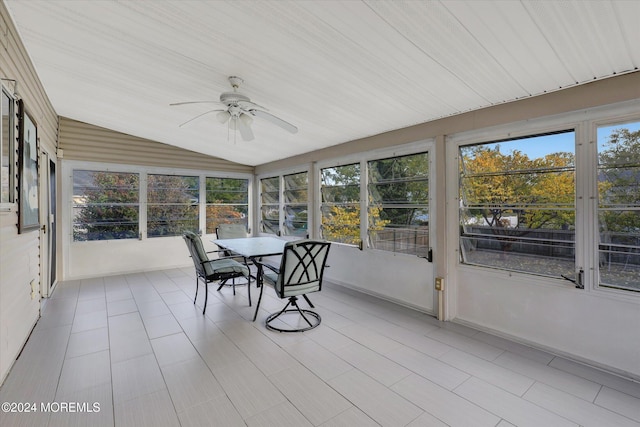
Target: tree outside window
x=105, y=205
x=398, y=205
x=340, y=209
x=227, y=202
x=172, y=205
x=619, y=206
x=270, y=205
x=518, y=204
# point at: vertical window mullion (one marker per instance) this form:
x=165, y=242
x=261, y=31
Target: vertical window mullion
x=202, y=208
x=143, y=205
x=281, y=206
x=364, y=204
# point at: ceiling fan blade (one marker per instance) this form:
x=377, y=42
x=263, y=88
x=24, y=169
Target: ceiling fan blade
x=198, y=116
x=194, y=102
x=243, y=124
x=248, y=105
x=275, y=120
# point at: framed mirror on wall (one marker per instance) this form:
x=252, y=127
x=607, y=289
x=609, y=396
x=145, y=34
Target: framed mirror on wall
x=28, y=216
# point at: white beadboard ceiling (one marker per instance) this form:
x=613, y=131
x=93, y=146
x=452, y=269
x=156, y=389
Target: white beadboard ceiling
x=339, y=70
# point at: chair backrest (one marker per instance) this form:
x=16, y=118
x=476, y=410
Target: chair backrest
x=231, y=231
x=198, y=254
x=302, y=267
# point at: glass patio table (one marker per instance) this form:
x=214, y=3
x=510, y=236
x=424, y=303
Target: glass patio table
x=253, y=248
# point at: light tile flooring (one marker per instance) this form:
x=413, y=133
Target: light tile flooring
x=138, y=347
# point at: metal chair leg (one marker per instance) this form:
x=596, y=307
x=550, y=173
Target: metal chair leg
x=303, y=313
x=197, y=285
x=206, y=296
x=308, y=301
x=261, y=286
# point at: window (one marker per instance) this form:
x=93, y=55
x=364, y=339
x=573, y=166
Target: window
x=7, y=148
x=340, y=205
x=295, y=201
x=398, y=208
x=619, y=206
x=270, y=205
x=172, y=205
x=105, y=205
x=517, y=204
x=227, y=202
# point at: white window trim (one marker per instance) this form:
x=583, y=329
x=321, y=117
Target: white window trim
x=594, y=255
x=69, y=166
x=584, y=122
x=415, y=147
x=12, y=205
x=280, y=173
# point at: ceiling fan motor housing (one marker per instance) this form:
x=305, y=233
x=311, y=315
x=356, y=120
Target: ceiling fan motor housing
x=233, y=98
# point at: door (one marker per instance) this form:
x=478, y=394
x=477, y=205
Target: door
x=48, y=229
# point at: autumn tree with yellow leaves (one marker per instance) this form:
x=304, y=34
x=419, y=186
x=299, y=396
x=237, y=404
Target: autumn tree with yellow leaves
x=511, y=190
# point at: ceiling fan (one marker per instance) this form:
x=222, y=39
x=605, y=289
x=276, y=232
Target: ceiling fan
x=239, y=112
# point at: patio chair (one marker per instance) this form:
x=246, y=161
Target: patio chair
x=212, y=270
x=300, y=273
x=234, y=231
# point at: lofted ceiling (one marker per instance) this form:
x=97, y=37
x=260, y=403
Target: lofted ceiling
x=338, y=70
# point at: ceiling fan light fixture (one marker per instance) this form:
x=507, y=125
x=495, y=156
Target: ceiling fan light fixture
x=223, y=116
x=246, y=119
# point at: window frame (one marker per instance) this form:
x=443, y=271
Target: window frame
x=285, y=204
x=10, y=204
x=611, y=119
x=203, y=185
x=416, y=147
x=67, y=192
x=280, y=174
x=149, y=205
x=277, y=205
x=585, y=123
x=429, y=153
x=515, y=172
x=73, y=203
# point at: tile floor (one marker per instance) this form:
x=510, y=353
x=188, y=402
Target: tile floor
x=138, y=347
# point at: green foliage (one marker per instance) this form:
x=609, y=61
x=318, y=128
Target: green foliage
x=539, y=193
x=106, y=206
x=172, y=205
x=227, y=202
x=619, y=181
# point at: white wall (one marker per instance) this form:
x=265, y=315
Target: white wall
x=108, y=257
x=596, y=329
x=19, y=253
x=405, y=279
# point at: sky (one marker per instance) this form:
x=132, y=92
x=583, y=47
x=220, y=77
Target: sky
x=563, y=142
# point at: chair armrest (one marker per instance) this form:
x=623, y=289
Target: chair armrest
x=269, y=266
x=217, y=251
